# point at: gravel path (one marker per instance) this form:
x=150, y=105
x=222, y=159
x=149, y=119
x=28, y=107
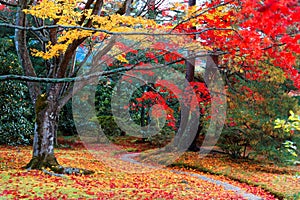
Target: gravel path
x=227, y=186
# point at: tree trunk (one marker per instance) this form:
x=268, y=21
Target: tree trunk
x=190, y=74
x=47, y=106
x=46, y=125
x=44, y=134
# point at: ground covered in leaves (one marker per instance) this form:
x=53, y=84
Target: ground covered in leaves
x=281, y=181
x=117, y=179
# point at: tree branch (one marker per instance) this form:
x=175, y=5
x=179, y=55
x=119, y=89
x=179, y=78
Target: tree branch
x=110, y=32
x=60, y=80
x=125, y=8
x=143, y=9
x=69, y=93
x=96, y=11
x=87, y=6
x=201, y=13
x=89, y=76
x=72, y=47
x=22, y=50
x=8, y=4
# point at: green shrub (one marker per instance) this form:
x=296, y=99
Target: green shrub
x=289, y=151
x=111, y=130
x=252, y=109
x=109, y=126
x=16, y=113
x=162, y=138
x=66, y=125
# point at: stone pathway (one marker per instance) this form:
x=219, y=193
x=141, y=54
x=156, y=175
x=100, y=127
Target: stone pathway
x=227, y=186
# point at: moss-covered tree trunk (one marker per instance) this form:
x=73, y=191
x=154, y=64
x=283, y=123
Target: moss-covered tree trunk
x=46, y=125
x=44, y=134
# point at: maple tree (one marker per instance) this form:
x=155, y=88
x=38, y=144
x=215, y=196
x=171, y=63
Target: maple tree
x=234, y=31
x=58, y=47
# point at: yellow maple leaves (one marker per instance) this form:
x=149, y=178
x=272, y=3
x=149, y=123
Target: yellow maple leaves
x=45, y=10
x=67, y=14
x=116, y=22
x=65, y=11
x=293, y=123
x=66, y=38
x=121, y=57
x=52, y=52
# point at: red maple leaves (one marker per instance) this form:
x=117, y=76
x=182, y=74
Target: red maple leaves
x=251, y=32
x=2, y=7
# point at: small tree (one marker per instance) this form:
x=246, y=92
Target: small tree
x=252, y=109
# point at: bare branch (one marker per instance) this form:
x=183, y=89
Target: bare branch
x=91, y=75
x=111, y=32
x=60, y=80
x=87, y=6
x=125, y=8
x=143, y=9
x=8, y=4
x=201, y=13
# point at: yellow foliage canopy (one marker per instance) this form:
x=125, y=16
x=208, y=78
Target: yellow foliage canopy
x=67, y=13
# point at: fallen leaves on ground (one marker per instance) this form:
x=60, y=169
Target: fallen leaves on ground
x=281, y=181
x=106, y=183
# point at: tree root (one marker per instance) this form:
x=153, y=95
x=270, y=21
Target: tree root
x=61, y=171
x=70, y=170
x=57, y=170
x=53, y=174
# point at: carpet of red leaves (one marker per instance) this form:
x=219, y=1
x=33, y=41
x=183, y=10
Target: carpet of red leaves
x=111, y=181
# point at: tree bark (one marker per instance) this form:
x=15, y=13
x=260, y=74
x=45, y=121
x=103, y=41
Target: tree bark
x=22, y=50
x=190, y=74
x=46, y=125
x=182, y=139
x=46, y=109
